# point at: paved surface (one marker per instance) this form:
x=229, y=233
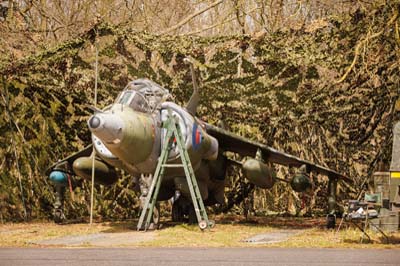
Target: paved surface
x=99, y=239
x=198, y=256
x=272, y=237
x=127, y=239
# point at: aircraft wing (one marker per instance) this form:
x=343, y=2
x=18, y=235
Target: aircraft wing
x=87, y=151
x=245, y=147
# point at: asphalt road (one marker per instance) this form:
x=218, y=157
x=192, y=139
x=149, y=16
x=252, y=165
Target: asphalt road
x=197, y=256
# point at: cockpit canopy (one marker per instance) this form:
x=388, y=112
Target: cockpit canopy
x=143, y=95
x=135, y=100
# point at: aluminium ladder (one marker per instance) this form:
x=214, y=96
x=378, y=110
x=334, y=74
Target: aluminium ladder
x=173, y=133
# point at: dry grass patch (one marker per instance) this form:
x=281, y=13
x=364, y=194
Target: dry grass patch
x=23, y=234
x=222, y=235
x=230, y=231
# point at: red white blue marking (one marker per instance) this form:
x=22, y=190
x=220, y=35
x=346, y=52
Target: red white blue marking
x=196, y=136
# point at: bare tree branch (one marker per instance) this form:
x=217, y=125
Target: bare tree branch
x=190, y=17
x=220, y=23
x=361, y=43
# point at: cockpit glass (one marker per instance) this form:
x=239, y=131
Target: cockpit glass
x=135, y=100
x=124, y=98
x=143, y=95
x=138, y=103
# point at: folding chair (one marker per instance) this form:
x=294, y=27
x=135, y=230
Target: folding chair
x=360, y=213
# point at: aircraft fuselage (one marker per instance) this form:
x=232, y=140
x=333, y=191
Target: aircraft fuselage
x=128, y=135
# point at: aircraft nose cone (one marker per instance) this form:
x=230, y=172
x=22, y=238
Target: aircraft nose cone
x=107, y=127
x=94, y=122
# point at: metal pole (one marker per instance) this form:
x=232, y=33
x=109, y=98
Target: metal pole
x=94, y=152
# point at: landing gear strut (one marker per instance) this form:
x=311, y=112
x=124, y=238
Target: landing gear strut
x=58, y=213
x=331, y=217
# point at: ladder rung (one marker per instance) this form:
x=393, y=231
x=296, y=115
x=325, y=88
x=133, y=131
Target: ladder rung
x=173, y=165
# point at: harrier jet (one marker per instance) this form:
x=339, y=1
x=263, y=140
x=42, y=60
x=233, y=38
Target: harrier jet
x=129, y=135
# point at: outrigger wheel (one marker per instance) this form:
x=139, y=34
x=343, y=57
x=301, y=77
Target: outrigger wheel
x=331, y=221
x=58, y=213
x=331, y=217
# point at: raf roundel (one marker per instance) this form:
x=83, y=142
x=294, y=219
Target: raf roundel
x=196, y=136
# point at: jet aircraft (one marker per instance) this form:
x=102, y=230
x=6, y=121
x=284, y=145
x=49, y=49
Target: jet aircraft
x=128, y=135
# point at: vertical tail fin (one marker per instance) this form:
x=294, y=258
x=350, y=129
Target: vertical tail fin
x=195, y=98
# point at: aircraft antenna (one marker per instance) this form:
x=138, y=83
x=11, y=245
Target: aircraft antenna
x=96, y=74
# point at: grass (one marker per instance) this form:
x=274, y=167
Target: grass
x=230, y=231
x=23, y=234
x=226, y=235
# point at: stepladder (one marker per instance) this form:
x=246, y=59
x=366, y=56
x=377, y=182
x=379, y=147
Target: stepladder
x=173, y=136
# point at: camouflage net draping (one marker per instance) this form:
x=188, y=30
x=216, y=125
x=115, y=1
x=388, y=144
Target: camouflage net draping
x=284, y=90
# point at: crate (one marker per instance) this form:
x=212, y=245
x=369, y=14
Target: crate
x=389, y=220
x=382, y=183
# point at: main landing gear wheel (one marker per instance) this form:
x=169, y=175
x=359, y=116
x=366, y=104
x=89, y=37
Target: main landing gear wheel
x=192, y=215
x=177, y=213
x=58, y=216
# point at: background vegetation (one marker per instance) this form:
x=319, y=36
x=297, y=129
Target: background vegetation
x=318, y=79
